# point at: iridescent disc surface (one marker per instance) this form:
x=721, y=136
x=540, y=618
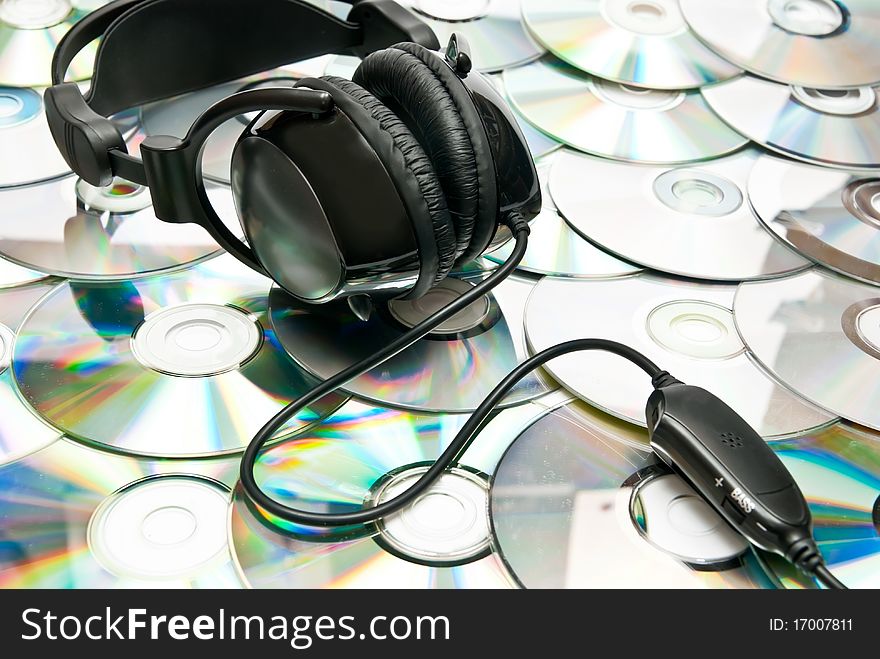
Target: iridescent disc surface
x=574, y=507
x=555, y=249
x=838, y=470
x=819, y=334
x=693, y=221
x=326, y=339
x=819, y=43
x=29, y=33
x=828, y=127
x=335, y=467
x=647, y=44
x=617, y=121
x=12, y=274
x=829, y=216
x=493, y=28
x=685, y=327
x=74, y=517
x=21, y=431
x=101, y=362
x=68, y=228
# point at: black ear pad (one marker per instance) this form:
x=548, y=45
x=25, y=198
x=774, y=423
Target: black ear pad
x=411, y=169
x=428, y=95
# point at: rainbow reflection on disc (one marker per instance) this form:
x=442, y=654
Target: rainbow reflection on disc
x=74, y=517
x=179, y=365
x=618, y=121
x=21, y=431
x=475, y=356
x=838, y=470
x=337, y=467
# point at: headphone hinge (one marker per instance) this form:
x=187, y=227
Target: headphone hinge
x=168, y=166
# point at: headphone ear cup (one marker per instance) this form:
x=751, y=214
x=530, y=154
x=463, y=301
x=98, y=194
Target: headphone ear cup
x=435, y=104
x=416, y=178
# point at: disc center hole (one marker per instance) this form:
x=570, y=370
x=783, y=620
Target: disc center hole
x=169, y=526
x=807, y=17
x=34, y=14
x=197, y=336
x=699, y=329
x=438, y=510
x=9, y=106
x=698, y=193
x=454, y=10
x=646, y=11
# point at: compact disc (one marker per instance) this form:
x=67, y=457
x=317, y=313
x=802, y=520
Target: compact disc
x=69, y=228
x=819, y=334
x=21, y=431
x=493, y=29
x=74, y=517
x=830, y=216
x=359, y=456
x=174, y=116
x=572, y=507
x=178, y=365
x=618, y=121
x=12, y=274
x=555, y=249
x=29, y=32
x=830, y=127
x=540, y=144
x=643, y=43
x=693, y=221
x=838, y=470
x=451, y=370
x=686, y=328
x=817, y=43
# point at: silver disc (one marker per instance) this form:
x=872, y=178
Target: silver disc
x=574, y=507
x=684, y=327
x=830, y=127
x=817, y=43
x=555, y=249
x=819, y=334
x=540, y=143
x=475, y=351
x=493, y=28
x=618, y=121
x=693, y=221
x=829, y=216
x=645, y=43
x=12, y=274
x=69, y=228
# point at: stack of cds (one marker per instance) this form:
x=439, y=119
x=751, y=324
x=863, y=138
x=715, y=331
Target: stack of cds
x=710, y=198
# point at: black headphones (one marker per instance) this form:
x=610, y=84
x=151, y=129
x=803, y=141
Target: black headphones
x=377, y=186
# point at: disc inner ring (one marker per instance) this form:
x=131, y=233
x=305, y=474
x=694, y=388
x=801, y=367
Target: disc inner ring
x=862, y=199
x=454, y=11
x=410, y=313
x=34, y=14
x=7, y=336
x=446, y=526
x=694, y=191
x=843, y=102
x=647, y=17
x=18, y=106
x=635, y=98
x=695, y=328
x=162, y=527
x=673, y=518
x=196, y=340
x=120, y=196
x=813, y=18
x=861, y=324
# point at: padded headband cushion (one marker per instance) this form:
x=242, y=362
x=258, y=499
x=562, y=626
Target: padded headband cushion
x=411, y=170
x=419, y=86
